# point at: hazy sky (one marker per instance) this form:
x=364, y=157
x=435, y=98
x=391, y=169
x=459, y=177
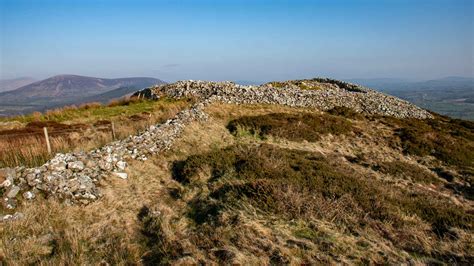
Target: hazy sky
x=237, y=40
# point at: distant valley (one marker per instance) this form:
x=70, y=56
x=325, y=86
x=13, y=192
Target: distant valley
x=451, y=96
x=68, y=89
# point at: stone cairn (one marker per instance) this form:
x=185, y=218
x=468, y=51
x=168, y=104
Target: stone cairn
x=74, y=177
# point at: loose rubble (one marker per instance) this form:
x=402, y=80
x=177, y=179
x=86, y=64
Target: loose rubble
x=73, y=177
x=320, y=93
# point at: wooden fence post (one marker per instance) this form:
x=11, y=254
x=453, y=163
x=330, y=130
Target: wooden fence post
x=113, y=130
x=48, y=145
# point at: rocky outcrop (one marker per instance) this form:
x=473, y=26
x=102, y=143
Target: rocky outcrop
x=73, y=177
x=323, y=94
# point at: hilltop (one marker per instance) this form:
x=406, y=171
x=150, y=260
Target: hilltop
x=66, y=89
x=315, y=171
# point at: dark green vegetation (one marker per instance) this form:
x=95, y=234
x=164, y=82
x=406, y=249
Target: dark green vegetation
x=449, y=140
x=295, y=127
x=346, y=112
x=373, y=193
x=263, y=175
x=298, y=188
x=407, y=171
x=297, y=185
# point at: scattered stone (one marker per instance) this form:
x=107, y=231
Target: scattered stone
x=9, y=203
x=76, y=166
x=121, y=175
x=10, y=217
x=29, y=195
x=121, y=165
x=13, y=192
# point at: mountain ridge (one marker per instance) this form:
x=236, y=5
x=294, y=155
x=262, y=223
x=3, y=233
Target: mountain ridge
x=65, y=89
x=67, y=85
x=15, y=83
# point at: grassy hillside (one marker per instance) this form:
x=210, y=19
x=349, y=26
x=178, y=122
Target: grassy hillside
x=62, y=90
x=81, y=127
x=261, y=184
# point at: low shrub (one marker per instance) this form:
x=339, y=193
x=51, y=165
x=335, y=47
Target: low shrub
x=449, y=140
x=346, y=112
x=407, y=171
x=295, y=127
x=297, y=184
x=163, y=249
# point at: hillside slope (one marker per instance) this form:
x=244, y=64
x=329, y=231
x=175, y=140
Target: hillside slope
x=284, y=173
x=65, y=89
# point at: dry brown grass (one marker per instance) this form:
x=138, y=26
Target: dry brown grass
x=241, y=233
x=55, y=234
x=295, y=185
x=148, y=219
x=28, y=146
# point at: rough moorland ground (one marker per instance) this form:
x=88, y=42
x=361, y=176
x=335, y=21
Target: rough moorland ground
x=74, y=128
x=266, y=184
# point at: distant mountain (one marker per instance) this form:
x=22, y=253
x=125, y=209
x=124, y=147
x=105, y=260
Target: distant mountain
x=452, y=96
x=68, y=89
x=71, y=86
x=11, y=84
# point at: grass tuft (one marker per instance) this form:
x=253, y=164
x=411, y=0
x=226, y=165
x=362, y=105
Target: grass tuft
x=295, y=127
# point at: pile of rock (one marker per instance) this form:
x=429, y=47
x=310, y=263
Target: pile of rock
x=73, y=177
x=332, y=93
x=316, y=84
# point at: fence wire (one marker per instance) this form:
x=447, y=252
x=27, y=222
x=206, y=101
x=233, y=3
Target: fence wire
x=56, y=132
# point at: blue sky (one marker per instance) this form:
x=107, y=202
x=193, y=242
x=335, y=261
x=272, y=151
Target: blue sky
x=237, y=40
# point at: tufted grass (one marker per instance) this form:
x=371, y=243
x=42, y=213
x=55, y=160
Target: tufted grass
x=216, y=199
x=295, y=127
x=93, y=123
x=91, y=112
x=407, y=171
x=449, y=140
x=300, y=185
x=262, y=174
